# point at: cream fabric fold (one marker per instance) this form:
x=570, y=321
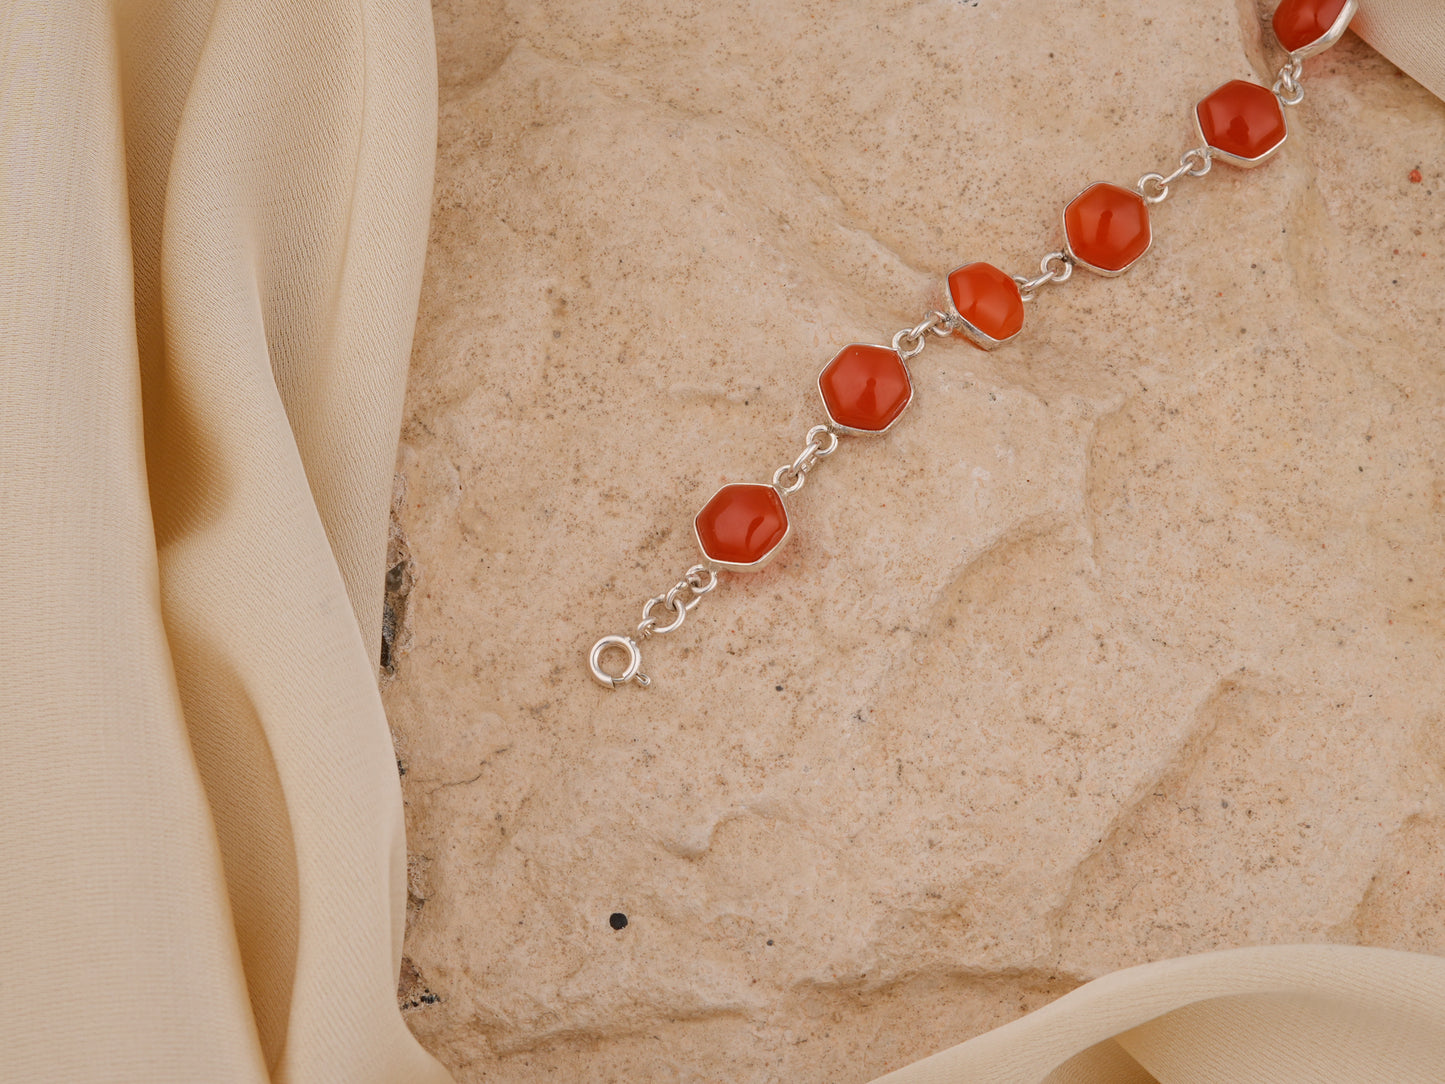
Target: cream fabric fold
x=1411, y=34
x=212, y=223
x=1286, y=1014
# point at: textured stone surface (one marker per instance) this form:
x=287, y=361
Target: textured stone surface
x=1126, y=642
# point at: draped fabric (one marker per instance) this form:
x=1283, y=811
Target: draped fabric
x=1411, y=33
x=1286, y=1014
x=212, y=222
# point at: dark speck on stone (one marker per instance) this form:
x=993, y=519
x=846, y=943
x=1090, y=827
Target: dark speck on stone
x=617, y=921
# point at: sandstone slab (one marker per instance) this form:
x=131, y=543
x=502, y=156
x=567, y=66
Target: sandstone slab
x=1125, y=642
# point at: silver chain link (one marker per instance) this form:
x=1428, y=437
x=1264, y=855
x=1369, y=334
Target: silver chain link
x=699, y=580
x=822, y=442
x=1056, y=267
x=910, y=341
x=1287, y=87
x=1154, y=187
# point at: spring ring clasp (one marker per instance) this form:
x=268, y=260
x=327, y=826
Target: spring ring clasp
x=634, y=662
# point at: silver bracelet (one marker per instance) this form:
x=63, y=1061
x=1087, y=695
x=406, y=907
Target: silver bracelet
x=866, y=388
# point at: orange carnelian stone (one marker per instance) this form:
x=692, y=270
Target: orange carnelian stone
x=988, y=299
x=742, y=524
x=1242, y=119
x=1298, y=24
x=865, y=387
x=1107, y=226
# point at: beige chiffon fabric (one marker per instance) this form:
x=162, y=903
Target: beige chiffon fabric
x=212, y=223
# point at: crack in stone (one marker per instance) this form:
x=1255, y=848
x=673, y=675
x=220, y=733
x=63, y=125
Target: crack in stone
x=636, y=95
x=610, y=1029
x=1176, y=768
x=1091, y=501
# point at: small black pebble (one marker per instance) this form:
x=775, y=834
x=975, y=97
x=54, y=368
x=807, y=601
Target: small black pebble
x=778, y=687
x=617, y=921
x=770, y=940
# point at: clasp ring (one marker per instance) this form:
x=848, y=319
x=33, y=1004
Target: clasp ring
x=634, y=660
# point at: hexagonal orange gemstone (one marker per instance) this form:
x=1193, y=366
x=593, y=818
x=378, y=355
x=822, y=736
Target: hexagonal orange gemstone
x=988, y=299
x=865, y=387
x=742, y=524
x=1298, y=24
x=1241, y=119
x=1107, y=227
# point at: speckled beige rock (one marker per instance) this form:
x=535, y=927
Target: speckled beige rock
x=1127, y=642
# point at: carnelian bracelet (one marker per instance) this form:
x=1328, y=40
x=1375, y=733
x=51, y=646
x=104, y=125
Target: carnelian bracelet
x=866, y=388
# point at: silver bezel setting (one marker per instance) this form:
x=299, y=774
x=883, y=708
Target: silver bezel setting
x=1234, y=159
x=839, y=426
x=1333, y=34
x=1104, y=271
x=765, y=558
x=958, y=323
